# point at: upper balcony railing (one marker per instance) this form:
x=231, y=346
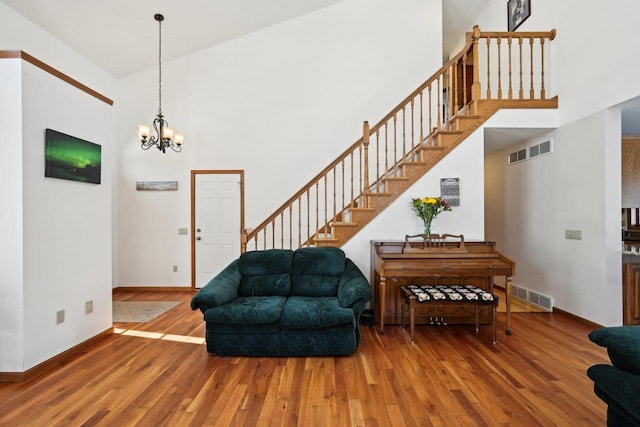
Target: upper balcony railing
x=511, y=67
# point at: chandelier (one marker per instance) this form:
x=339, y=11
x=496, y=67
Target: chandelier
x=165, y=137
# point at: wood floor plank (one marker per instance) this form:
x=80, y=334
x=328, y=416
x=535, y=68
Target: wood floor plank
x=159, y=373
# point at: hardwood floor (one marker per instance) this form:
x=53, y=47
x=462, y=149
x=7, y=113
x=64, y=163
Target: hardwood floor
x=159, y=373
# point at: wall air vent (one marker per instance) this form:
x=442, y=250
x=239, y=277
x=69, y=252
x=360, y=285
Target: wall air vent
x=530, y=152
x=533, y=297
x=541, y=300
x=545, y=147
x=517, y=156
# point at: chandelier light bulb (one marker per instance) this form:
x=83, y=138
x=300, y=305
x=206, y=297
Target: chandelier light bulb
x=143, y=132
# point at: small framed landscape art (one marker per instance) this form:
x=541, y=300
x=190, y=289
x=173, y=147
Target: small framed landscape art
x=157, y=185
x=517, y=12
x=68, y=157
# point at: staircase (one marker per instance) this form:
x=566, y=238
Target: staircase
x=494, y=70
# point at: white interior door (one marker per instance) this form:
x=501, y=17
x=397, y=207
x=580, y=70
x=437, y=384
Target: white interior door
x=217, y=223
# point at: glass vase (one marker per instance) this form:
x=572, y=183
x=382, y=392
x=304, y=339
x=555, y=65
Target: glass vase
x=427, y=225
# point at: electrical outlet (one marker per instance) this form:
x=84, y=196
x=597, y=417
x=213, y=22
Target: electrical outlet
x=59, y=317
x=573, y=234
x=175, y=268
x=88, y=307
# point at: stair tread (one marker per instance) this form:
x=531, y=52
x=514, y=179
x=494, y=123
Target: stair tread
x=344, y=224
x=416, y=163
x=465, y=116
x=380, y=194
x=361, y=209
x=325, y=239
x=448, y=132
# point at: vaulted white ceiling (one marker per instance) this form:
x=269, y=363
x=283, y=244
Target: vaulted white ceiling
x=121, y=36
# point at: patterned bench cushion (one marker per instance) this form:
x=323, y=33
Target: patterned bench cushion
x=428, y=293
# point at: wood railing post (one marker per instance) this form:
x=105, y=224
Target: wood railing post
x=243, y=241
x=365, y=143
x=475, y=87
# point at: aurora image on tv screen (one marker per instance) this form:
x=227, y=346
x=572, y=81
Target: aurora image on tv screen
x=68, y=157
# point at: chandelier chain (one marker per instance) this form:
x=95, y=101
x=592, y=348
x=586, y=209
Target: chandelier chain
x=160, y=67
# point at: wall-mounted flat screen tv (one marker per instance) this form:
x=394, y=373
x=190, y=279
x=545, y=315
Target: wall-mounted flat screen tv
x=68, y=157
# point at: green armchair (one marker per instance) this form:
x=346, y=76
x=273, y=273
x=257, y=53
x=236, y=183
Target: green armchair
x=618, y=384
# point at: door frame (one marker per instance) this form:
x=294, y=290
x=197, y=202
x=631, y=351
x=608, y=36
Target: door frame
x=240, y=173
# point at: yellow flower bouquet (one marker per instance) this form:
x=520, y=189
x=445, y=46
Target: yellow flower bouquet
x=427, y=208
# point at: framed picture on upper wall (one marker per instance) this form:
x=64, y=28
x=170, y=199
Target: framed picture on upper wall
x=517, y=12
x=68, y=157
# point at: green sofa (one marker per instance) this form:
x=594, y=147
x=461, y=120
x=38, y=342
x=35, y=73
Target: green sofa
x=618, y=384
x=280, y=302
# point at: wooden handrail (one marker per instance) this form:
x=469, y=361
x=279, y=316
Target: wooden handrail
x=357, y=175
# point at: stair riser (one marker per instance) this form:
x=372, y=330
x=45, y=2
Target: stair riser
x=396, y=187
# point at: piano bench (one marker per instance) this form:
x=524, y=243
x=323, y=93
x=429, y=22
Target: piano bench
x=414, y=296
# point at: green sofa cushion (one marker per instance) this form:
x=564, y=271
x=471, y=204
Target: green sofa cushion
x=316, y=271
x=265, y=273
x=623, y=346
x=268, y=285
x=301, y=312
x=247, y=311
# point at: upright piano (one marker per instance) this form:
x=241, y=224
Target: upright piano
x=398, y=263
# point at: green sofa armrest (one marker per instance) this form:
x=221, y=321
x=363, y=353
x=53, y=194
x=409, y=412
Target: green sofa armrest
x=619, y=389
x=353, y=286
x=220, y=290
x=622, y=344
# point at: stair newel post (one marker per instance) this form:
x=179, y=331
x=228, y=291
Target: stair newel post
x=475, y=87
x=365, y=143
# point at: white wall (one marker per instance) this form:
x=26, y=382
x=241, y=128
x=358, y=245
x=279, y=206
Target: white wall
x=11, y=273
x=67, y=225
x=56, y=234
x=280, y=104
x=530, y=204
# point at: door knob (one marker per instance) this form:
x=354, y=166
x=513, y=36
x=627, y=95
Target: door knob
x=198, y=230
x=198, y=238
